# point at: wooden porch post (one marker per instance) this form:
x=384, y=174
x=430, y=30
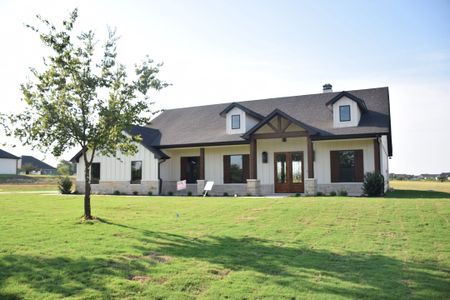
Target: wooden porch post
x=310, y=158
x=202, y=164
x=253, y=162
x=376, y=153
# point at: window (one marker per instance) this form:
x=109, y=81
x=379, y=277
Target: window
x=190, y=169
x=344, y=113
x=347, y=166
x=235, y=168
x=235, y=121
x=95, y=173
x=136, y=171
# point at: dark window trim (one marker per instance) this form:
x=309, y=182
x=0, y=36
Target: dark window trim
x=131, y=172
x=349, y=113
x=227, y=165
x=232, y=123
x=97, y=180
x=358, y=168
x=184, y=171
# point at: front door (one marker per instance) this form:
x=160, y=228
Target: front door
x=289, y=172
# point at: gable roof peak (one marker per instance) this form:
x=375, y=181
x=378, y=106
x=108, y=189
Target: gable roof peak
x=241, y=107
x=359, y=101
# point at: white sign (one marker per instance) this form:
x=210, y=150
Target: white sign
x=181, y=185
x=208, y=186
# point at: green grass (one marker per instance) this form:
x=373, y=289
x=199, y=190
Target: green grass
x=27, y=183
x=421, y=185
x=214, y=248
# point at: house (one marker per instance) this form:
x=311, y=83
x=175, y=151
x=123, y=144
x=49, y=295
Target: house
x=35, y=166
x=8, y=163
x=302, y=144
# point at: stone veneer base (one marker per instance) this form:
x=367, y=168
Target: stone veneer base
x=123, y=187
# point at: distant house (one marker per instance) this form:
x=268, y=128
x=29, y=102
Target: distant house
x=322, y=142
x=8, y=163
x=39, y=167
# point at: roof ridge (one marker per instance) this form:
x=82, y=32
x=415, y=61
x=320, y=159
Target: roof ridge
x=271, y=98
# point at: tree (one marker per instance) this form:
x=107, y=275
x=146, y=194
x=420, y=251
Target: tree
x=84, y=100
x=65, y=168
x=27, y=168
x=442, y=178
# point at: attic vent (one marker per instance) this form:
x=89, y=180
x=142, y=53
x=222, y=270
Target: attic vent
x=327, y=88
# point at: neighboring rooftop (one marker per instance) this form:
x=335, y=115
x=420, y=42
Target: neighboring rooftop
x=36, y=163
x=4, y=154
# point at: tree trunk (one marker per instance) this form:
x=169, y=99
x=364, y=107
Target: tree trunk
x=87, y=194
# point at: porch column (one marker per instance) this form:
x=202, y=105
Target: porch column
x=376, y=153
x=202, y=164
x=310, y=158
x=310, y=182
x=253, y=162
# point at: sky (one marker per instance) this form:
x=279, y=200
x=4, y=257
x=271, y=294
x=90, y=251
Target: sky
x=224, y=51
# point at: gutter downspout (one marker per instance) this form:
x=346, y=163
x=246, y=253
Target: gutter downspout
x=159, y=175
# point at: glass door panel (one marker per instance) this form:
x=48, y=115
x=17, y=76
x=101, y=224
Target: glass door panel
x=297, y=168
x=280, y=160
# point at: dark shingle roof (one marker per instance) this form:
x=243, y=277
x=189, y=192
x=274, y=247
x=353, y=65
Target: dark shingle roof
x=149, y=136
x=204, y=124
x=36, y=163
x=4, y=154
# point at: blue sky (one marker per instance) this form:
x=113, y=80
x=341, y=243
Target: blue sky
x=221, y=51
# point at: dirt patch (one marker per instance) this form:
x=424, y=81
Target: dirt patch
x=140, y=278
x=158, y=258
x=221, y=273
x=259, y=209
x=245, y=218
x=152, y=256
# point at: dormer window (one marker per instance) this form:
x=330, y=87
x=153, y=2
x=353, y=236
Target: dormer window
x=347, y=109
x=235, y=122
x=344, y=113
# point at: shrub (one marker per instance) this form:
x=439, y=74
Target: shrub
x=319, y=194
x=65, y=185
x=343, y=193
x=332, y=193
x=225, y=194
x=170, y=193
x=116, y=192
x=373, y=184
x=135, y=193
x=442, y=178
x=189, y=193
x=150, y=193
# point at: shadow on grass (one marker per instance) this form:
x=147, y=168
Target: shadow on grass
x=295, y=268
x=414, y=194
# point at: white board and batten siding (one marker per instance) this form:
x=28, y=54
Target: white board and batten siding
x=247, y=122
x=170, y=169
x=355, y=113
x=322, y=164
x=8, y=166
x=119, y=168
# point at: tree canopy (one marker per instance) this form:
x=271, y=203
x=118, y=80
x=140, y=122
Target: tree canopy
x=83, y=98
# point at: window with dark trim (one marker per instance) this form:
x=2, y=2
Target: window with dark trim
x=95, y=173
x=190, y=169
x=344, y=113
x=235, y=168
x=235, y=121
x=136, y=171
x=347, y=166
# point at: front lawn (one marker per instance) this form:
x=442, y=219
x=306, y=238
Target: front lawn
x=191, y=247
